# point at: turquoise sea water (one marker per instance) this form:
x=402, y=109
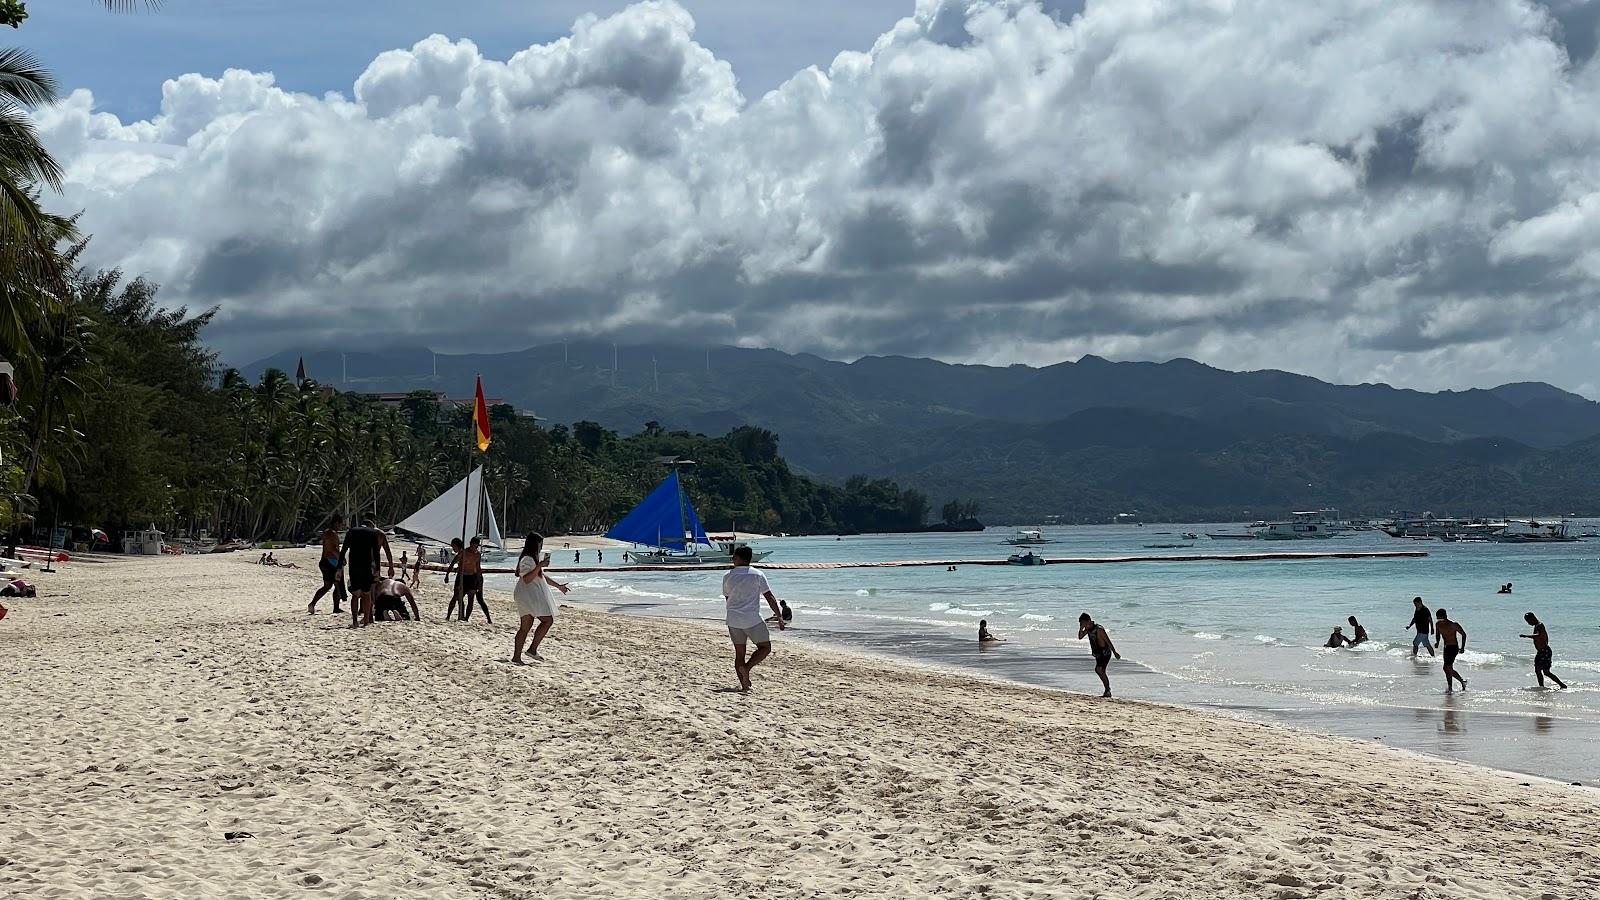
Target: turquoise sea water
x=1241, y=636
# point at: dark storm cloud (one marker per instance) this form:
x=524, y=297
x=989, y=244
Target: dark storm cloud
x=1371, y=189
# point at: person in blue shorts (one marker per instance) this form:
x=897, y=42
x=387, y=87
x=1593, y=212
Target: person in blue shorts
x=1422, y=621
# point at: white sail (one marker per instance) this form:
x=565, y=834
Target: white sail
x=495, y=540
x=441, y=519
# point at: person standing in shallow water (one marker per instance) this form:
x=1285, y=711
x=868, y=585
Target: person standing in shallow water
x=1100, y=645
x=1543, y=656
x=1453, y=639
x=1421, y=621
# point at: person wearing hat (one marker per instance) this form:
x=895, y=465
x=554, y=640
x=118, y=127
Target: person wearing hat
x=1337, y=639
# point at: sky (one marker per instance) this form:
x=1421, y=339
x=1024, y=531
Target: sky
x=1369, y=190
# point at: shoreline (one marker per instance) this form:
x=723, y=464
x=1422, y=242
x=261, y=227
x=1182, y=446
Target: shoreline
x=621, y=769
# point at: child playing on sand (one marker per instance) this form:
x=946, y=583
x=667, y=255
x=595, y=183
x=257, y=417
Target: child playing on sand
x=1454, y=639
x=1100, y=645
x=1543, y=656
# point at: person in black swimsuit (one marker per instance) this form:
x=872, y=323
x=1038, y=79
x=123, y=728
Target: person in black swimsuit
x=1454, y=639
x=360, y=557
x=1543, y=656
x=1100, y=645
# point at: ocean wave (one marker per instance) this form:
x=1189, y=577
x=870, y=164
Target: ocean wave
x=1586, y=665
x=1482, y=660
x=933, y=607
x=1208, y=636
x=1267, y=639
x=975, y=613
x=1032, y=617
x=866, y=592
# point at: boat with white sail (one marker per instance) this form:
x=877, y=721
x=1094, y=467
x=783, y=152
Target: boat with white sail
x=665, y=530
x=464, y=512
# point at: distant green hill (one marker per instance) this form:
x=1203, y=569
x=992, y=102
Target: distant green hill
x=1086, y=439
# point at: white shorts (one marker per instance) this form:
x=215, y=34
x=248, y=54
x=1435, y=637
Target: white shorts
x=754, y=634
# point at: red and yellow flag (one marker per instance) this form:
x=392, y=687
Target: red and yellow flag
x=480, y=419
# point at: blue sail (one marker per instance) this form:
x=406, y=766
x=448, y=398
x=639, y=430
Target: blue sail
x=695, y=531
x=658, y=520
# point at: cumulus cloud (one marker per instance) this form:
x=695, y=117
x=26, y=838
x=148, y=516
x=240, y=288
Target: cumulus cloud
x=1368, y=189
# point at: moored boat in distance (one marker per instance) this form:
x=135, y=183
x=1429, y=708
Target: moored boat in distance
x=1028, y=537
x=1533, y=531
x=1026, y=559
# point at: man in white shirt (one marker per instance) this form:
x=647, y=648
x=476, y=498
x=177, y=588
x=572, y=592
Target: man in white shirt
x=744, y=587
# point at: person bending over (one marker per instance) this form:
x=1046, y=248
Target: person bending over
x=1100, y=645
x=1543, y=656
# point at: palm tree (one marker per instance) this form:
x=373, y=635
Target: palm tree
x=31, y=271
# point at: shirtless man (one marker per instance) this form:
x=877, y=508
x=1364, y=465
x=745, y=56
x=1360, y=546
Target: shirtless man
x=359, y=557
x=472, y=581
x=1543, y=656
x=390, y=593
x=331, y=568
x=1454, y=639
x=1100, y=645
x=455, y=593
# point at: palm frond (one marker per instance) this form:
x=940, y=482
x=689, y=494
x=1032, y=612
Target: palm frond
x=24, y=79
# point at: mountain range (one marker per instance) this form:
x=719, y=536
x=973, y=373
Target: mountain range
x=1083, y=440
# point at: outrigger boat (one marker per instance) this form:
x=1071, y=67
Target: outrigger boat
x=665, y=525
x=442, y=519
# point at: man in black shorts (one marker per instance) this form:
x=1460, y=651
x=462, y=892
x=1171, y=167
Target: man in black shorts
x=328, y=565
x=1100, y=645
x=359, y=557
x=1543, y=656
x=1454, y=639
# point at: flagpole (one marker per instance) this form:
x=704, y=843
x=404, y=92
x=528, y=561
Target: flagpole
x=466, y=496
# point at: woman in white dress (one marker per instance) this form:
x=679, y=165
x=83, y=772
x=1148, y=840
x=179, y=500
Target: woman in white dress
x=532, y=594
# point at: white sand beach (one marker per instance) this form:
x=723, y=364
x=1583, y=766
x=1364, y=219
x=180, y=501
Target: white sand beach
x=153, y=706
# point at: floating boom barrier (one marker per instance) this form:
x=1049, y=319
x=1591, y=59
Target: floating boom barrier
x=1059, y=561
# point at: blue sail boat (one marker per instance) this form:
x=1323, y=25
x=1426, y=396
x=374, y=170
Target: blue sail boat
x=665, y=522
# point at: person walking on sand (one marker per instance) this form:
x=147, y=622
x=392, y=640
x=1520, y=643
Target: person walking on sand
x=330, y=566
x=1422, y=621
x=743, y=588
x=1543, y=656
x=416, y=567
x=359, y=557
x=471, y=579
x=1454, y=639
x=532, y=594
x=455, y=593
x=1100, y=645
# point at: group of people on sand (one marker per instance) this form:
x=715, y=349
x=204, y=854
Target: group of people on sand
x=358, y=560
x=1100, y=646
x=1436, y=628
